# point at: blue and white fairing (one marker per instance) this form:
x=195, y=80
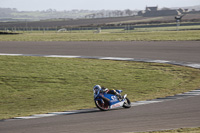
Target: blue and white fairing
x=112, y=99
x=114, y=102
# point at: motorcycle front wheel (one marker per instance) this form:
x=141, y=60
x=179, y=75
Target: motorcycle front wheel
x=102, y=106
x=127, y=103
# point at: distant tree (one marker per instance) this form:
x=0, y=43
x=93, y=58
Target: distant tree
x=128, y=12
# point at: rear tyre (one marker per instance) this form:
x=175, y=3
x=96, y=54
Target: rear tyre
x=102, y=106
x=127, y=103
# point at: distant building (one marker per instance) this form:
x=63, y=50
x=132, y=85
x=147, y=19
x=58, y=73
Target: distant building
x=151, y=9
x=153, y=12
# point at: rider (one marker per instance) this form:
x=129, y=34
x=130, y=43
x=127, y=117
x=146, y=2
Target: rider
x=105, y=90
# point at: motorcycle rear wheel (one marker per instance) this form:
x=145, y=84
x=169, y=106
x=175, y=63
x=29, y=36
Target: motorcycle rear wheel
x=102, y=106
x=127, y=103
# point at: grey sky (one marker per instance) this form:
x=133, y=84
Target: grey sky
x=31, y=5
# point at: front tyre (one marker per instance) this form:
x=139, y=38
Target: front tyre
x=102, y=106
x=127, y=103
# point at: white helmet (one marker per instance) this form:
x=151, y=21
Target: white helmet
x=96, y=89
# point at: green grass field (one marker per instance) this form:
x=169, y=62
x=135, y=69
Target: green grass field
x=182, y=130
x=32, y=85
x=170, y=28
x=139, y=34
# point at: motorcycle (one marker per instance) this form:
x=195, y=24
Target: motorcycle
x=105, y=101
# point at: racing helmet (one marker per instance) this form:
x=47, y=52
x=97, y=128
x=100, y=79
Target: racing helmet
x=96, y=89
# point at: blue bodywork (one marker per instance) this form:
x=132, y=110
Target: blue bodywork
x=110, y=98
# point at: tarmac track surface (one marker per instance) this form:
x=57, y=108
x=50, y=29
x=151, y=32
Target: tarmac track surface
x=187, y=51
x=156, y=116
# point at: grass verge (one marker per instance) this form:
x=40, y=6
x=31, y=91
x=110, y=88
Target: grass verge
x=107, y=36
x=181, y=130
x=32, y=85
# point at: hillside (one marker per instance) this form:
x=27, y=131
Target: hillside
x=13, y=15
x=115, y=21
x=12, y=18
